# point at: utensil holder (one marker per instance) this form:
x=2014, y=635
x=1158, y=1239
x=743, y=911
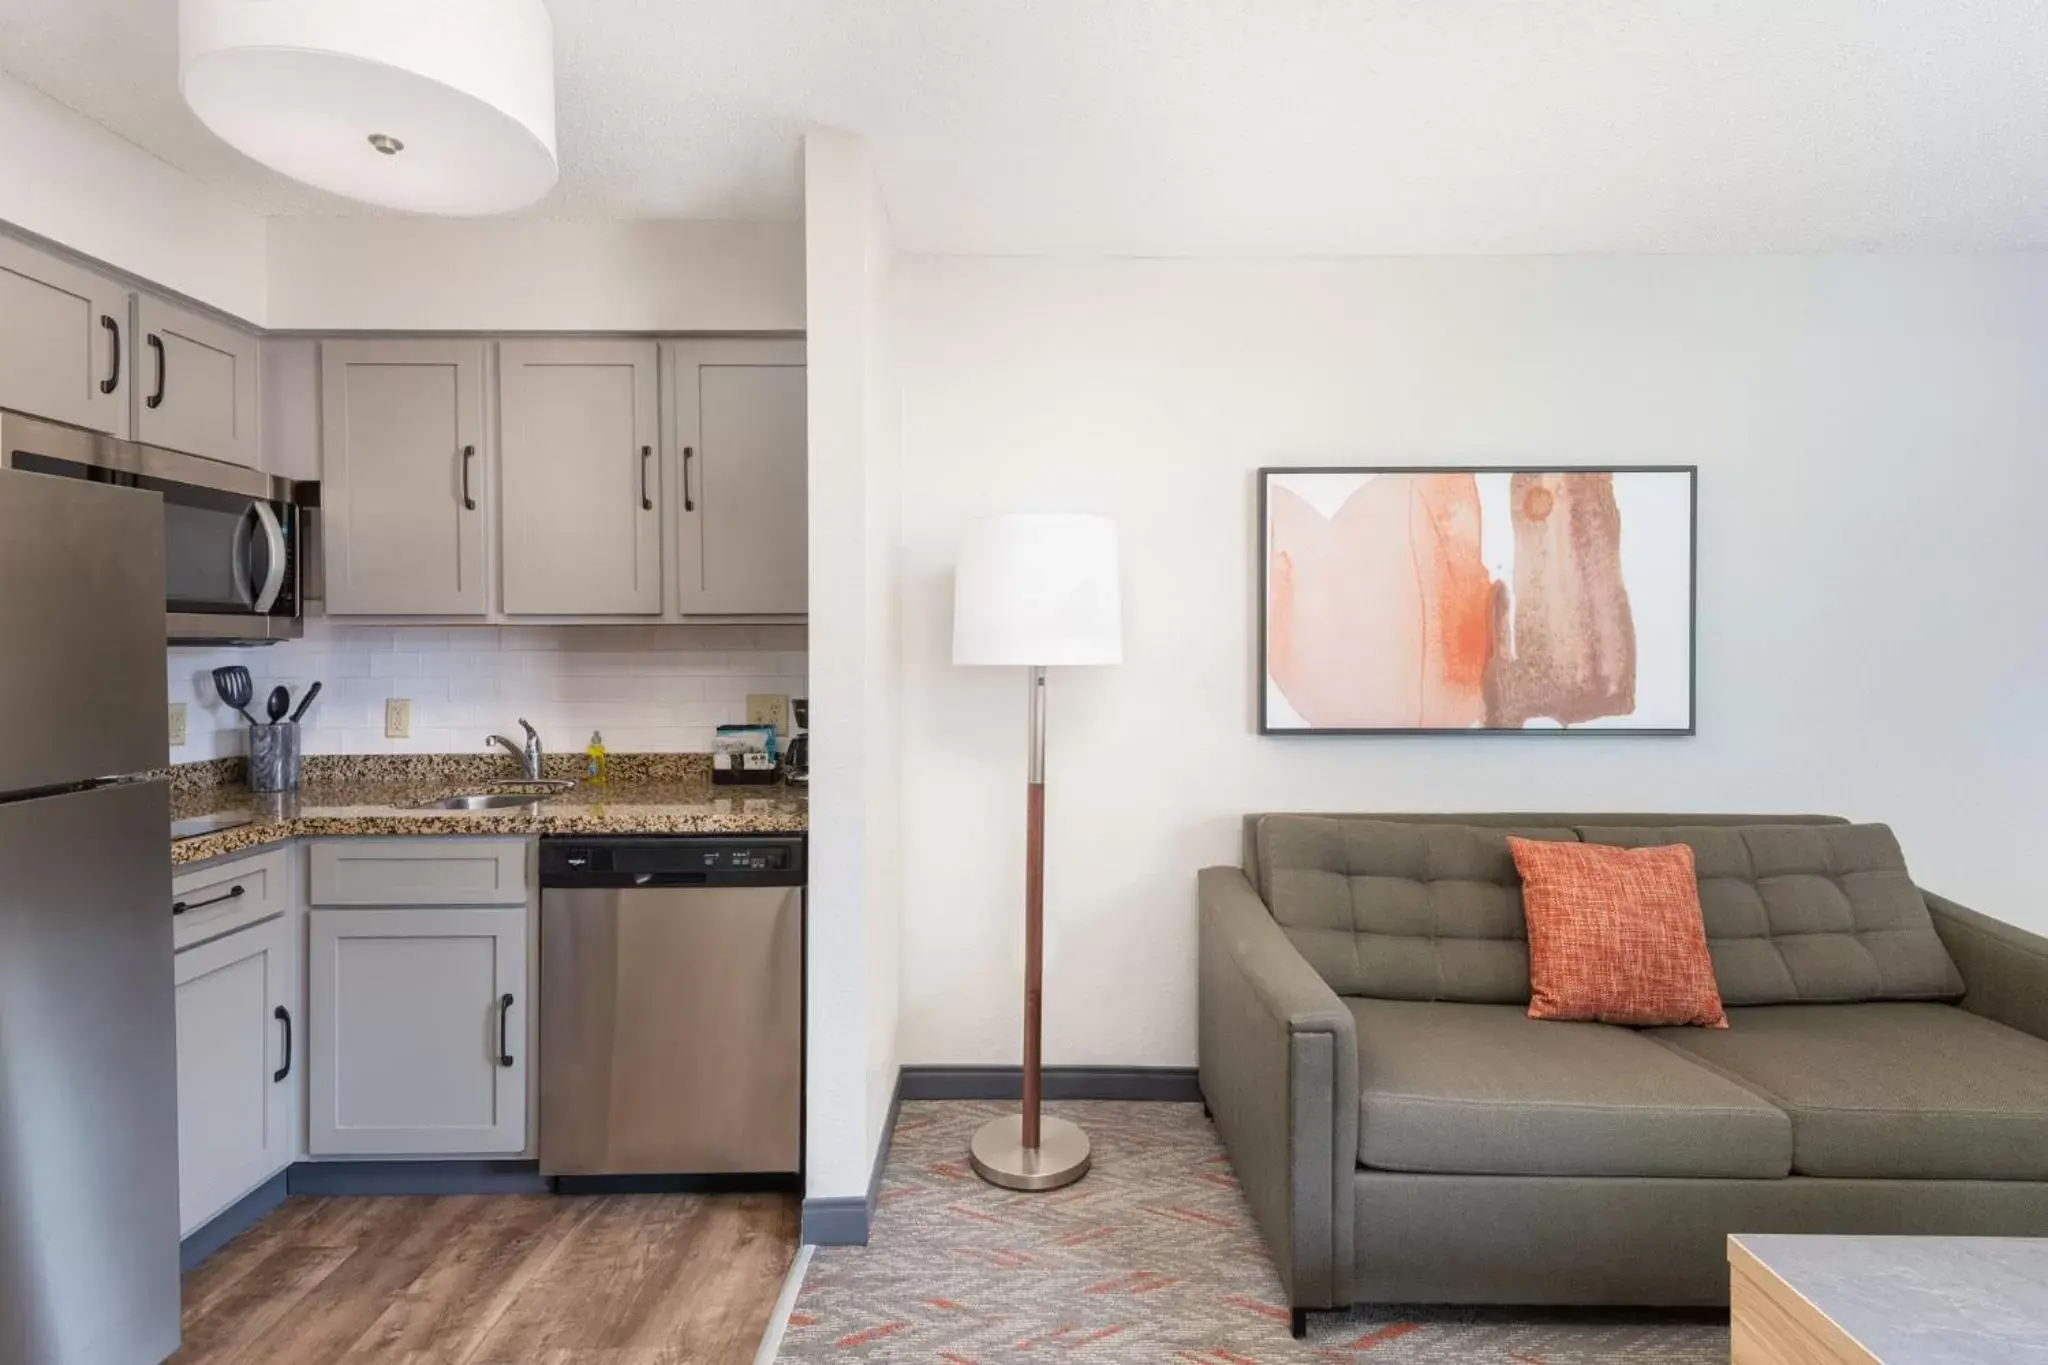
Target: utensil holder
x=274, y=757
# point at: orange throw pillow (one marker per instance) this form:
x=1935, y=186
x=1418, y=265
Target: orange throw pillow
x=1615, y=935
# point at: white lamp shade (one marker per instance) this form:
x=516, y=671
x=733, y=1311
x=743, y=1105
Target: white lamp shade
x=460, y=94
x=1038, y=589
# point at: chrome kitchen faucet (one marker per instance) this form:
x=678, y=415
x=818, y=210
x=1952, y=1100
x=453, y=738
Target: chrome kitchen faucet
x=530, y=758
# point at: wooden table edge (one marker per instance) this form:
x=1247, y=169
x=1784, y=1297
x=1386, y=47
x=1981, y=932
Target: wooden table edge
x=1744, y=1265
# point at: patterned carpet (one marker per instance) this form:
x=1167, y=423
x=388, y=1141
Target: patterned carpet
x=1152, y=1257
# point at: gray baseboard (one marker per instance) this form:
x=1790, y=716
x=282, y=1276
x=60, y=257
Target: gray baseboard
x=417, y=1177
x=845, y=1220
x=236, y=1219
x=1171, y=1084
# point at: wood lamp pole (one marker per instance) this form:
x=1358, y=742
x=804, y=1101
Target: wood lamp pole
x=1035, y=590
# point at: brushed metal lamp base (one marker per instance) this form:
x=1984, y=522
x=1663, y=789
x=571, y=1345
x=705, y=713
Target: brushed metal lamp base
x=1001, y=1158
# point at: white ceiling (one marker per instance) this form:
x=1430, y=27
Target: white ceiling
x=1244, y=126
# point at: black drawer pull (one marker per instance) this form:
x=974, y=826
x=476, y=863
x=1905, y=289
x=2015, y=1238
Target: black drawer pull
x=468, y=502
x=688, y=455
x=504, y=1018
x=646, y=502
x=283, y=1016
x=113, y=380
x=232, y=893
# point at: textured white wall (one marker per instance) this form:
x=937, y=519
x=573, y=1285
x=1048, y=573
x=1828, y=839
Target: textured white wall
x=535, y=275
x=855, y=657
x=1871, y=642
x=64, y=177
x=650, y=689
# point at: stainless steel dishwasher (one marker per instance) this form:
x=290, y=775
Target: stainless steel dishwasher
x=671, y=1006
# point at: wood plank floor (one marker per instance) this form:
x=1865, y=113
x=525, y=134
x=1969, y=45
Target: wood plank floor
x=495, y=1279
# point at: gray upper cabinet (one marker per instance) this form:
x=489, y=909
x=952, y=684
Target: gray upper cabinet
x=64, y=340
x=404, y=481
x=742, y=457
x=195, y=383
x=580, y=477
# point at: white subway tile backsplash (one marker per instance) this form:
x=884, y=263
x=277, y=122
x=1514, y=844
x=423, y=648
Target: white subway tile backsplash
x=651, y=689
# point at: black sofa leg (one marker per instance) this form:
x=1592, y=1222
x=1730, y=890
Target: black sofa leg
x=1299, y=1325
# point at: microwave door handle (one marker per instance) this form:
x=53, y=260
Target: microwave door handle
x=273, y=575
x=239, y=572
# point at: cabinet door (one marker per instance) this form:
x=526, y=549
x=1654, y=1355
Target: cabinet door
x=418, y=1032
x=742, y=528
x=580, y=477
x=195, y=383
x=238, y=1066
x=403, y=480
x=63, y=342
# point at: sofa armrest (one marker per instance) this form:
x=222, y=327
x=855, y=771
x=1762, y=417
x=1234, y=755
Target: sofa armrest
x=1279, y=1069
x=2005, y=969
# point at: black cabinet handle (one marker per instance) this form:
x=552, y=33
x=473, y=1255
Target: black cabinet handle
x=646, y=502
x=468, y=454
x=283, y=1016
x=688, y=506
x=504, y=1018
x=234, y=893
x=113, y=380
x=163, y=372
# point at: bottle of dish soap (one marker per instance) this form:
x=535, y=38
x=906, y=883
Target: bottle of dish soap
x=597, y=769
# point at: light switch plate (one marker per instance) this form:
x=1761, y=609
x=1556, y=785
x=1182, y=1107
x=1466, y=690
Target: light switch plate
x=398, y=718
x=766, y=708
x=177, y=723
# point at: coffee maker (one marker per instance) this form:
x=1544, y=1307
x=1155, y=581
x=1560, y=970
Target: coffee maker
x=796, y=764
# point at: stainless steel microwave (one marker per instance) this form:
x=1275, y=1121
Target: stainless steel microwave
x=232, y=536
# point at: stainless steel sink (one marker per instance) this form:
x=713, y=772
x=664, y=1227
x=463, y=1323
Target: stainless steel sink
x=531, y=792
x=488, y=801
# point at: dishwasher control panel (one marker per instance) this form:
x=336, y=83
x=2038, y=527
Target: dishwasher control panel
x=677, y=861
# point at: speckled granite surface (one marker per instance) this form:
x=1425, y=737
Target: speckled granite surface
x=382, y=795
x=189, y=778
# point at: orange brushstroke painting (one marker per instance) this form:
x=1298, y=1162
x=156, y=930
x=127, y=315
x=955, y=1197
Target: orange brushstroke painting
x=1383, y=614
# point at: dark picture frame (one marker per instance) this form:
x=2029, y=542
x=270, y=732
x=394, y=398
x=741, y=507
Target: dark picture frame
x=1266, y=475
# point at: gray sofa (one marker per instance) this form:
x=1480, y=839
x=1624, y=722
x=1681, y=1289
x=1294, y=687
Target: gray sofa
x=1405, y=1134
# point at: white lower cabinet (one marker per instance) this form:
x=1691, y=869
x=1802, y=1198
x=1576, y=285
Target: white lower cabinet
x=417, y=1037
x=239, y=1042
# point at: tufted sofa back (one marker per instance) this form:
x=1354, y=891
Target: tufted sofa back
x=1416, y=907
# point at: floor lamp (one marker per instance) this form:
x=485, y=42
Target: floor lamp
x=1035, y=591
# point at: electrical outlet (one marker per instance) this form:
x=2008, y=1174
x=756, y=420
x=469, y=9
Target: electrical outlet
x=398, y=718
x=765, y=708
x=177, y=723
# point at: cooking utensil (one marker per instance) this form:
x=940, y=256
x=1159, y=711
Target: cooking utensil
x=236, y=688
x=305, y=702
x=280, y=702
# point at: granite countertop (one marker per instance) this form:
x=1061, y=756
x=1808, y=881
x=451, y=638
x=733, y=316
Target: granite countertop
x=382, y=795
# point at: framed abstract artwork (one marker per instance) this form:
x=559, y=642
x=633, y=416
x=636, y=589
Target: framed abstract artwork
x=1430, y=601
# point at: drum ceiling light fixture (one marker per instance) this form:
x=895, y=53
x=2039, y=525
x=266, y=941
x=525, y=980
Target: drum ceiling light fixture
x=445, y=108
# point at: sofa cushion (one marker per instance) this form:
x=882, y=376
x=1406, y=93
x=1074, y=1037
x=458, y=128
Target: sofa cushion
x=1808, y=912
x=1485, y=1090
x=1401, y=911
x=1899, y=1091
x=1615, y=934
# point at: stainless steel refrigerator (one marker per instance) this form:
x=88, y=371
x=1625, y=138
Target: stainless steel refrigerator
x=88, y=1062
